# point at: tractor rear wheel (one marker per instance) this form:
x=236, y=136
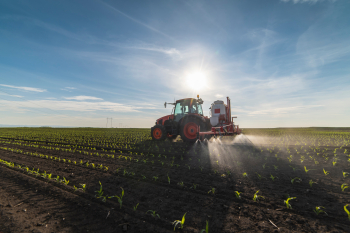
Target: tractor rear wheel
x=189, y=129
x=158, y=133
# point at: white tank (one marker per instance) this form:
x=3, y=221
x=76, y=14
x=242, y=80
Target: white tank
x=217, y=108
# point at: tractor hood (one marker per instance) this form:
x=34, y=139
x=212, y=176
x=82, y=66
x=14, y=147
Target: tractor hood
x=161, y=120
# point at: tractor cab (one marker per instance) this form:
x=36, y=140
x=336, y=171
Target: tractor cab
x=187, y=106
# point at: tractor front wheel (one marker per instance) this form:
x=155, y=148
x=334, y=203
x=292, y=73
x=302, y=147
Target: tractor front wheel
x=158, y=133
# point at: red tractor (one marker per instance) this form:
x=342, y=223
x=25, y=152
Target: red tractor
x=188, y=121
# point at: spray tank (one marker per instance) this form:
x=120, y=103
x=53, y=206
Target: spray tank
x=217, y=113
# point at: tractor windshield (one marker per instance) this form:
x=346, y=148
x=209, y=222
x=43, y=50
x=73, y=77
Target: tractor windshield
x=185, y=107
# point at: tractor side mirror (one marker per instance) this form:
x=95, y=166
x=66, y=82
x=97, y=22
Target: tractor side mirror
x=165, y=105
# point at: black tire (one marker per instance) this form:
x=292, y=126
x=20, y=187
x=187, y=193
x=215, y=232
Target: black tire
x=188, y=129
x=158, y=133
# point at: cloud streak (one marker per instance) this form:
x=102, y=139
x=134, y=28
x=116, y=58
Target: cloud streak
x=24, y=88
x=77, y=106
x=82, y=97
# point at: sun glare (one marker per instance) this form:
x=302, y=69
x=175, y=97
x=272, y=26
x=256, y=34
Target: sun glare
x=196, y=80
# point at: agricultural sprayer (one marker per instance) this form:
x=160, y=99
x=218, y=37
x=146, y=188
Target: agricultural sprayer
x=188, y=121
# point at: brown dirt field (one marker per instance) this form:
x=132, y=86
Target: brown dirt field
x=30, y=203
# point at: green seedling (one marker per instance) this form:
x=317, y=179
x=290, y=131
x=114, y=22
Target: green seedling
x=168, y=179
x=194, y=186
x=296, y=179
x=245, y=174
x=143, y=177
x=212, y=190
x=264, y=165
x=135, y=207
x=325, y=172
x=238, y=194
x=343, y=187
x=44, y=175
x=260, y=176
x=99, y=193
x=64, y=181
x=181, y=184
x=273, y=177
x=178, y=222
x=307, y=170
x=318, y=210
x=347, y=211
x=155, y=178
x=275, y=167
x=83, y=187
x=57, y=179
x=311, y=183
x=153, y=213
x=287, y=202
x=345, y=174
x=256, y=196
x=206, y=230
x=120, y=198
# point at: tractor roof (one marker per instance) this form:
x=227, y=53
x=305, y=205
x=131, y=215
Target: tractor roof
x=186, y=99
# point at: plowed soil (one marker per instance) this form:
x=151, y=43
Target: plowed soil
x=171, y=179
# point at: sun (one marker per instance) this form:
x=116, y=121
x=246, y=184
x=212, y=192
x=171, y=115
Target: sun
x=196, y=80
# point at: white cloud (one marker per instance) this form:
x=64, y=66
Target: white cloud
x=283, y=110
x=18, y=96
x=69, y=89
x=79, y=106
x=82, y=97
x=219, y=96
x=306, y=1
x=24, y=88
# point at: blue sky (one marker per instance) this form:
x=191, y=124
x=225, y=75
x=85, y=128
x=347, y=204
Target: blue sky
x=75, y=63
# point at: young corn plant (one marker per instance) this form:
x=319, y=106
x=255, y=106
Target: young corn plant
x=178, y=222
x=99, y=193
x=155, y=178
x=194, y=186
x=206, y=230
x=120, y=198
x=153, y=213
x=181, y=184
x=325, y=172
x=287, y=202
x=260, y=176
x=307, y=170
x=245, y=174
x=296, y=179
x=319, y=210
x=238, y=194
x=168, y=179
x=135, y=207
x=273, y=177
x=343, y=187
x=311, y=183
x=347, y=211
x=256, y=197
x=83, y=187
x=345, y=174
x=64, y=181
x=212, y=190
